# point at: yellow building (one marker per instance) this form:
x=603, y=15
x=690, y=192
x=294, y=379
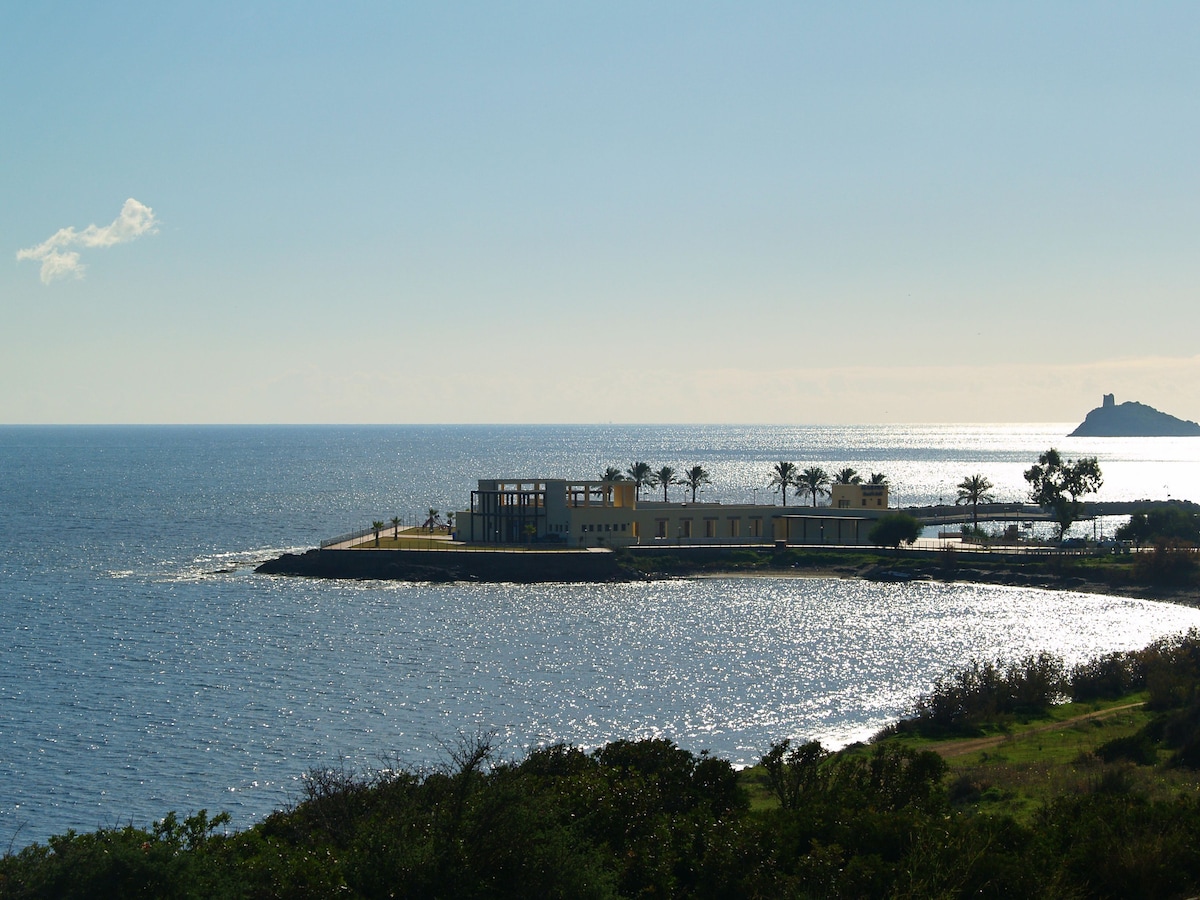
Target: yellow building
x=608, y=514
x=859, y=496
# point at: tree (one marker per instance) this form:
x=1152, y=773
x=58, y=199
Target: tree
x=877, y=478
x=695, y=478
x=1056, y=485
x=641, y=475
x=432, y=521
x=847, y=476
x=611, y=474
x=975, y=489
x=1162, y=523
x=377, y=526
x=664, y=478
x=815, y=481
x=395, y=528
x=783, y=476
x=893, y=529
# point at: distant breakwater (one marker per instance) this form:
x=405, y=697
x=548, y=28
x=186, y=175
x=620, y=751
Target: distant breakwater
x=453, y=564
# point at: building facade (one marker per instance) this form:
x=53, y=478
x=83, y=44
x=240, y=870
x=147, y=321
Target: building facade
x=859, y=496
x=609, y=514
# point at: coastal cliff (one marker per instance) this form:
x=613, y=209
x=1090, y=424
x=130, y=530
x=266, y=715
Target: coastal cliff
x=1132, y=419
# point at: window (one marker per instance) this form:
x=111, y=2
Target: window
x=756, y=526
x=685, y=528
x=710, y=528
x=662, y=528
x=735, y=527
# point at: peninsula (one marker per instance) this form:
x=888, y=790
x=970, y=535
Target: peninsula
x=1132, y=419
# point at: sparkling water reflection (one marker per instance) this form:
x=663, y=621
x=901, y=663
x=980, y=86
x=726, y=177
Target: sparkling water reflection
x=178, y=703
x=143, y=668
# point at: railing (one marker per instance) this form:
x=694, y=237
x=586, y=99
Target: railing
x=352, y=536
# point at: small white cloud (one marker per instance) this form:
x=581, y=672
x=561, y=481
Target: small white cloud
x=58, y=261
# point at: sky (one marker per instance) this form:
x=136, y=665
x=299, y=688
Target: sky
x=786, y=213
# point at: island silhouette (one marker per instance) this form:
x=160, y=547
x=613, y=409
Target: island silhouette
x=1132, y=419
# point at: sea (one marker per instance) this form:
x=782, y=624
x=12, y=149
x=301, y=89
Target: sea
x=146, y=668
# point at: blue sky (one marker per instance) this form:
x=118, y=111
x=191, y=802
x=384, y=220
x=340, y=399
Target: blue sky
x=785, y=213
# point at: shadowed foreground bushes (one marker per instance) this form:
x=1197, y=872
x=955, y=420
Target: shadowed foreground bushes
x=646, y=818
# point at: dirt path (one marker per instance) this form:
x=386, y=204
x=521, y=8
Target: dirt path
x=951, y=749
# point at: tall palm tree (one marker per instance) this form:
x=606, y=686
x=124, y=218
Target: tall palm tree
x=395, y=528
x=641, y=475
x=695, y=478
x=664, y=478
x=847, y=476
x=878, y=478
x=975, y=489
x=431, y=522
x=377, y=527
x=815, y=481
x=783, y=475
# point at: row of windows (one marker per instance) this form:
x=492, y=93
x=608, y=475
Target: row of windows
x=624, y=526
x=710, y=527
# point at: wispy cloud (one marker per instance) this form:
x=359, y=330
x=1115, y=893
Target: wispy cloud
x=60, y=261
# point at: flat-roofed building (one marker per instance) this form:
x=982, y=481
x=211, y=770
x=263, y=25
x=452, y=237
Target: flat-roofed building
x=858, y=496
x=608, y=514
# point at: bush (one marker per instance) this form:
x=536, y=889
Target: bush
x=1106, y=678
x=1171, y=563
x=894, y=529
x=986, y=692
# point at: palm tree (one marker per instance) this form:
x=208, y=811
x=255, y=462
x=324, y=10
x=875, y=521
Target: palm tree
x=783, y=475
x=974, y=489
x=847, y=476
x=695, y=478
x=431, y=522
x=815, y=481
x=377, y=527
x=641, y=476
x=611, y=474
x=664, y=477
x=395, y=528
x=877, y=478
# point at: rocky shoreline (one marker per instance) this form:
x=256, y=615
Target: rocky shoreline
x=562, y=566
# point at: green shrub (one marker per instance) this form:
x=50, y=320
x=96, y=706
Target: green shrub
x=988, y=692
x=894, y=529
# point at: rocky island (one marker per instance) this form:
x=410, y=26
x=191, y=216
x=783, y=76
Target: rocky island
x=1132, y=419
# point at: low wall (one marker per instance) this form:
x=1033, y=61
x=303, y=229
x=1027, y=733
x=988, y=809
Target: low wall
x=451, y=565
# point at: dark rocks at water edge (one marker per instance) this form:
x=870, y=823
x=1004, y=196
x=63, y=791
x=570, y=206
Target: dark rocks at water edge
x=451, y=565
x=1132, y=419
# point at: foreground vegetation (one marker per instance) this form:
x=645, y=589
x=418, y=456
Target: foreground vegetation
x=993, y=788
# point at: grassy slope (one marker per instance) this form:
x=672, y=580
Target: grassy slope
x=1017, y=767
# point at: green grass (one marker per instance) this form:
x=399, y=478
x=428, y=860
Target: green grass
x=1033, y=761
x=1039, y=759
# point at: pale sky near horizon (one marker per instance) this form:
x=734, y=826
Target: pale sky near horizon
x=540, y=212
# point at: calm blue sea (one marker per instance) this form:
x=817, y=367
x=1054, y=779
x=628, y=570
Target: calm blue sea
x=145, y=668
